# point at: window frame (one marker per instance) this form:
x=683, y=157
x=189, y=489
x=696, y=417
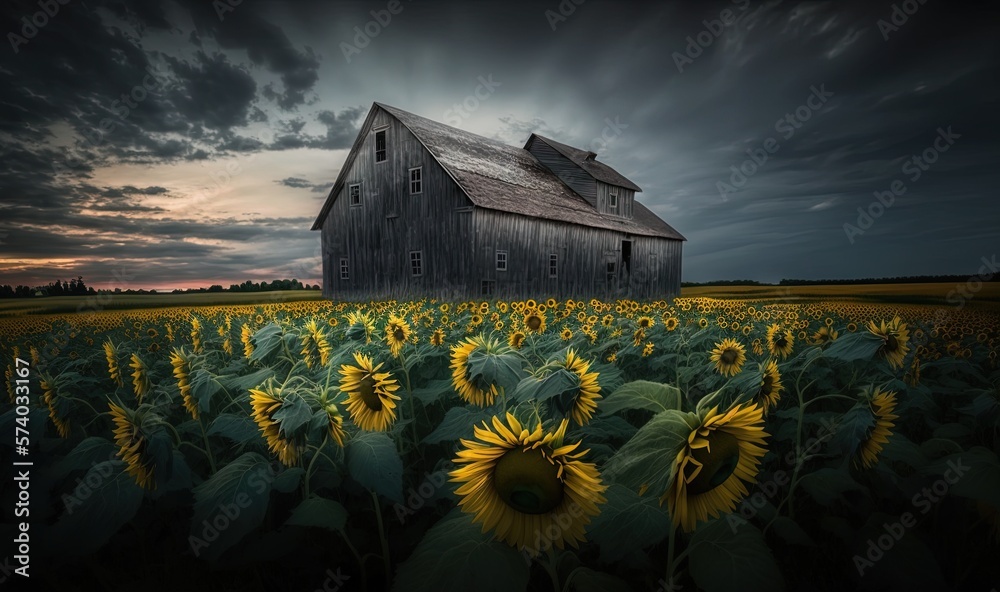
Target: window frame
x=416, y=263
x=419, y=181
x=345, y=269
x=350, y=194
x=553, y=265
x=488, y=287
x=613, y=205
x=385, y=146
x=502, y=257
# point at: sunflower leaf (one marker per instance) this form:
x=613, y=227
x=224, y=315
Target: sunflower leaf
x=827, y=484
x=647, y=459
x=294, y=414
x=229, y=505
x=627, y=523
x=265, y=342
x=203, y=387
x=87, y=453
x=374, y=462
x=503, y=370
x=321, y=512
x=458, y=423
x=642, y=394
x=726, y=558
x=238, y=428
x=543, y=389
x=856, y=346
x=433, y=390
x=482, y=564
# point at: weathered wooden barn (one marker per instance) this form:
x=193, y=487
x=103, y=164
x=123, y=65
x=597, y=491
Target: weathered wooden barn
x=421, y=208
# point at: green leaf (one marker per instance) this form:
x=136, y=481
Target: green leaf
x=456, y=555
x=542, y=389
x=952, y=431
x=854, y=346
x=852, y=429
x=723, y=558
x=791, y=532
x=433, y=391
x=606, y=427
x=266, y=341
x=827, y=484
x=245, y=382
x=627, y=523
x=458, y=423
x=89, y=452
x=287, y=480
x=373, y=461
x=642, y=394
x=973, y=474
x=238, y=428
x=321, y=512
x=502, y=370
x=585, y=579
x=96, y=512
x=293, y=414
x=229, y=505
x=648, y=458
x=203, y=387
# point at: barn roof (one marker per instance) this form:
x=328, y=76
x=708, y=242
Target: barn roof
x=585, y=160
x=501, y=177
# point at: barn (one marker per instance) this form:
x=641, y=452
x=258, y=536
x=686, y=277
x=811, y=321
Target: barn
x=424, y=209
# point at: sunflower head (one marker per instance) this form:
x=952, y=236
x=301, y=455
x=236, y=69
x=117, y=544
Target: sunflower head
x=534, y=320
x=521, y=484
x=779, y=341
x=181, y=361
x=437, y=338
x=397, y=333
x=370, y=394
x=516, y=339
x=52, y=399
x=769, y=391
x=265, y=402
x=474, y=388
x=895, y=338
x=712, y=470
x=580, y=402
x=133, y=445
x=824, y=335
x=882, y=404
x=728, y=357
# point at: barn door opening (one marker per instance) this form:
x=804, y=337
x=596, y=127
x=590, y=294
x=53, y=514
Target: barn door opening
x=626, y=264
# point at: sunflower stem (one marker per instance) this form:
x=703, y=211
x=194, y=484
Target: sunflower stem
x=383, y=540
x=553, y=568
x=208, y=447
x=309, y=469
x=671, y=548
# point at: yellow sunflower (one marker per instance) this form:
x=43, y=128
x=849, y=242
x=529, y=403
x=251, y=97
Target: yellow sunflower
x=132, y=444
x=882, y=405
x=336, y=423
x=711, y=472
x=471, y=389
x=140, y=377
x=670, y=323
x=111, y=355
x=246, y=338
x=728, y=357
x=769, y=391
x=397, y=333
x=182, y=369
x=647, y=349
x=534, y=320
x=265, y=402
x=522, y=484
x=516, y=339
x=824, y=335
x=437, y=338
x=580, y=402
x=50, y=392
x=779, y=342
x=370, y=394
x=645, y=322
x=566, y=334
x=894, y=340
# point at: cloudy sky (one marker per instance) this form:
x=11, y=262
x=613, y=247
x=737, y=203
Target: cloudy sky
x=188, y=142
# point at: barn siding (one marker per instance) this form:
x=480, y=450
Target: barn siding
x=571, y=174
x=625, y=199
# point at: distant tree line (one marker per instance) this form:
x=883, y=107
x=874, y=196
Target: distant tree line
x=77, y=287
x=909, y=279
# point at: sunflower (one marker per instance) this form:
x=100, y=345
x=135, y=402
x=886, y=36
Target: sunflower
x=912, y=377
x=894, y=340
x=336, y=423
x=580, y=402
x=472, y=390
x=712, y=470
x=534, y=320
x=370, y=398
x=246, y=338
x=140, y=377
x=728, y=356
x=670, y=323
x=516, y=339
x=824, y=335
x=50, y=393
x=647, y=349
x=566, y=334
x=195, y=334
x=182, y=370
x=111, y=355
x=702, y=323
x=265, y=402
x=362, y=326
x=779, y=342
x=132, y=444
x=882, y=405
x=314, y=345
x=645, y=322
x=523, y=484
x=397, y=333
x=769, y=391
x=437, y=338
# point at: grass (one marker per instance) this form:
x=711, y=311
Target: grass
x=68, y=304
x=930, y=293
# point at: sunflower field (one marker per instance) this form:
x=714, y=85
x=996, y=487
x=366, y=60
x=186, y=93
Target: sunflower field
x=695, y=444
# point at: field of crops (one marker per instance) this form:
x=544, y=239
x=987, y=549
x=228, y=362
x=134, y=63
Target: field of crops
x=699, y=444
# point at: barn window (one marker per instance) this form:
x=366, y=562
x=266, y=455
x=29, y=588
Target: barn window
x=345, y=271
x=416, y=181
x=488, y=288
x=355, y=193
x=501, y=260
x=613, y=199
x=417, y=263
x=611, y=273
x=380, y=146
x=553, y=265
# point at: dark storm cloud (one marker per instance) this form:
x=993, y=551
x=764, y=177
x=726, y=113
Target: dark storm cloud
x=299, y=183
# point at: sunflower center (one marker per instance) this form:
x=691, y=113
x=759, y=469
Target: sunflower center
x=781, y=342
x=891, y=343
x=367, y=391
x=398, y=334
x=718, y=464
x=728, y=357
x=533, y=322
x=527, y=481
x=767, y=385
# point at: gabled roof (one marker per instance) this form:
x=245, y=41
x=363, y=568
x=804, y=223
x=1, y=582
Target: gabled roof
x=501, y=177
x=585, y=160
